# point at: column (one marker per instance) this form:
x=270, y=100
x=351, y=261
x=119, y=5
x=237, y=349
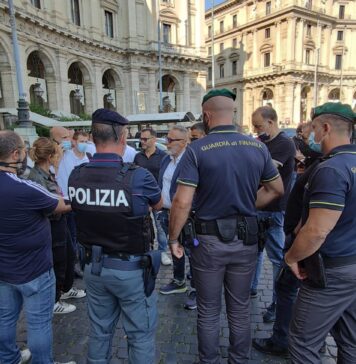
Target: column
x=62, y=82
x=152, y=102
x=300, y=41
x=186, y=92
x=326, y=48
x=297, y=100
x=97, y=92
x=256, y=52
x=9, y=93
x=288, y=103
x=134, y=88
x=278, y=56
x=291, y=40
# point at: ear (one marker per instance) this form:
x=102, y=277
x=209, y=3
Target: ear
x=16, y=155
x=326, y=127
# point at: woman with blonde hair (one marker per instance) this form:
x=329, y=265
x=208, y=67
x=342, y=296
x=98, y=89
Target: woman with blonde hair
x=46, y=154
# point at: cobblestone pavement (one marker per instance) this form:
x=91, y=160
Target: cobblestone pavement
x=176, y=334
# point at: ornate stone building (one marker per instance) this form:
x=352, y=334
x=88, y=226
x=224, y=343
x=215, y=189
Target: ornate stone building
x=86, y=54
x=267, y=52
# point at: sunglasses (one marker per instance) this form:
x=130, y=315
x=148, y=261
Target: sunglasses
x=145, y=139
x=170, y=140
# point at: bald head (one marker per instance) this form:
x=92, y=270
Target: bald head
x=9, y=142
x=218, y=110
x=59, y=134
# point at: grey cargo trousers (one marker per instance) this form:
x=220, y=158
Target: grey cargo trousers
x=215, y=265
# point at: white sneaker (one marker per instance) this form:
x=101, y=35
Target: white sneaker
x=25, y=356
x=165, y=259
x=73, y=293
x=63, y=307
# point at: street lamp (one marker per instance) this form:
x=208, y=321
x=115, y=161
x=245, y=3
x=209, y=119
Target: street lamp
x=77, y=94
x=38, y=90
x=23, y=110
x=109, y=98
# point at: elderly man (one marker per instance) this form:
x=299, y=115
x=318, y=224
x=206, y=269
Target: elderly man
x=177, y=140
x=26, y=275
x=225, y=247
x=327, y=298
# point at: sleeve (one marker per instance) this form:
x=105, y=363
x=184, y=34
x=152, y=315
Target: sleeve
x=189, y=173
x=328, y=189
x=286, y=149
x=270, y=171
x=40, y=199
x=145, y=186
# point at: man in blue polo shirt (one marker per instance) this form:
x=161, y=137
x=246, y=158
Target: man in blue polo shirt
x=223, y=171
x=26, y=275
x=328, y=228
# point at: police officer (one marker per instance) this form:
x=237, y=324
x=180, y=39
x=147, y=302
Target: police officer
x=223, y=172
x=329, y=222
x=111, y=200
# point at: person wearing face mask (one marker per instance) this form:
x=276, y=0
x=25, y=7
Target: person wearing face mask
x=283, y=151
x=177, y=140
x=222, y=173
x=328, y=229
x=27, y=280
x=72, y=158
x=197, y=131
x=61, y=136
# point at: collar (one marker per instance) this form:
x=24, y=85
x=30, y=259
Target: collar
x=342, y=149
x=178, y=158
x=223, y=129
x=157, y=151
x=106, y=157
x=43, y=173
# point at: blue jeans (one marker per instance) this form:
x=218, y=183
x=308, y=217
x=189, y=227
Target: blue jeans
x=178, y=264
x=274, y=247
x=286, y=291
x=116, y=293
x=37, y=299
x=161, y=235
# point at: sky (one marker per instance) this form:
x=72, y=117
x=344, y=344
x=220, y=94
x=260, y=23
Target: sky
x=208, y=3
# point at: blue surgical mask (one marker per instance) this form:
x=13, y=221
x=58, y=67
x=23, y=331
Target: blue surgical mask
x=316, y=147
x=82, y=147
x=66, y=145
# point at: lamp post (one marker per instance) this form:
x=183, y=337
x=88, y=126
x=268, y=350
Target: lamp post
x=212, y=48
x=23, y=110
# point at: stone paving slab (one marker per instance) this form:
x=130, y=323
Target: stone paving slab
x=176, y=340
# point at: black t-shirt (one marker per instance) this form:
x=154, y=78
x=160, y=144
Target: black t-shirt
x=283, y=151
x=295, y=200
x=152, y=164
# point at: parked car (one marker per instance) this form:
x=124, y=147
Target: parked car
x=135, y=143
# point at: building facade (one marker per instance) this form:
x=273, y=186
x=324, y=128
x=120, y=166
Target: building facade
x=85, y=54
x=291, y=54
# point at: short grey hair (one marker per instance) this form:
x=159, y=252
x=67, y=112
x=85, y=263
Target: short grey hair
x=181, y=129
x=9, y=142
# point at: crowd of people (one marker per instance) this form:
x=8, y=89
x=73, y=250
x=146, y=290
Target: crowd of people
x=91, y=206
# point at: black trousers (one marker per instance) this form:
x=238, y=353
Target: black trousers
x=63, y=265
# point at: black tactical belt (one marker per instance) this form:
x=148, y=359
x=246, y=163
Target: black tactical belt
x=339, y=261
x=206, y=228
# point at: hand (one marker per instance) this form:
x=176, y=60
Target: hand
x=298, y=271
x=177, y=250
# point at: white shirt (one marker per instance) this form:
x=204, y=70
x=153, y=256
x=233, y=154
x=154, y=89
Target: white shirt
x=129, y=154
x=167, y=180
x=66, y=166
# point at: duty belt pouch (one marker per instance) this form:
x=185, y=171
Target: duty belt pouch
x=188, y=235
x=81, y=255
x=151, y=263
x=251, y=231
x=96, y=260
x=315, y=269
x=226, y=229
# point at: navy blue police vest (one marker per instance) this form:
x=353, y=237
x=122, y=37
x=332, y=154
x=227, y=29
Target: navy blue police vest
x=101, y=200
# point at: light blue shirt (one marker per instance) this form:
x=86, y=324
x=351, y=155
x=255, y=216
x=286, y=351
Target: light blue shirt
x=167, y=180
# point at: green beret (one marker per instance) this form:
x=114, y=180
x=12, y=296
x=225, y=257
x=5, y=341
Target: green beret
x=335, y=108
x=218, y=92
